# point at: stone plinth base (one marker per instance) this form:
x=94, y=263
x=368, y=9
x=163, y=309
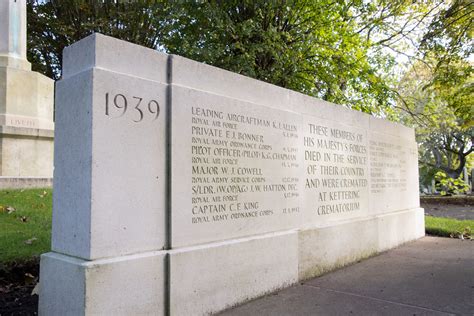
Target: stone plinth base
x=212, y=277
x=26, y=98
x=26, y=153
x=129, y=285
x=26, y=120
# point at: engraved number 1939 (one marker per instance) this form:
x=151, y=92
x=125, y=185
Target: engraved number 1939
x=116, y=106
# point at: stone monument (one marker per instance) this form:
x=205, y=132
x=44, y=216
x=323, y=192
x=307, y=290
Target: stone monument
x=184, y=189
x=26, y=106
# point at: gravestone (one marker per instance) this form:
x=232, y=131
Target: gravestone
x=465, y=176
x=184, y=189
x=472, y=180
x=26, y=106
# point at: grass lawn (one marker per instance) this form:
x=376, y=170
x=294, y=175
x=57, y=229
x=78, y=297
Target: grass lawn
x=445, y=227
x=25, y=223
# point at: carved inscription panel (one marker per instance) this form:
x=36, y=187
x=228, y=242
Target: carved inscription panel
x=393, y=173
x=241, y=169
x=235, y=168
x=335, y=171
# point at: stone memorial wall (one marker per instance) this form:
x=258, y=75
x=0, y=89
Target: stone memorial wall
x=26, y=107
x=184, y=189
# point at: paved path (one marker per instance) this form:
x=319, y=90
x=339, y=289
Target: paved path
x=449, y=210
x=431, y=276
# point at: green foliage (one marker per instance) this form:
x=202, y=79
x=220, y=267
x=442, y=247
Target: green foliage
x=436, y=93
x=441, y=115
x=344, y=52
x=314, y=47
x=320, y=48
x=53, y=25
x=449, y=40
x=449, y=186
x=25, y=223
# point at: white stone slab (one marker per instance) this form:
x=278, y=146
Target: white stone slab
x=392, y=128
x=327, y=248
x=120, y=166
x=26, y=155
x=119, y=286
x=400, y=227
x=335, y=172
x=208, y=279
x=106, y=52
x=235, y=168
x=199, y=76
x=26, y=95
x=331, y=247
x=73, y=165
x=393, y=170
x=249, y=187
x=26, y=100
x=25, y=121
x=321, y=109
x=111, y=158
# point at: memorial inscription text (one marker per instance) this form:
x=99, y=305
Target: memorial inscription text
x=234, y=159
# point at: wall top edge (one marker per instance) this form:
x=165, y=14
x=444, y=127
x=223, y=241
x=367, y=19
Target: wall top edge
x=108, y=53
x=98, y=50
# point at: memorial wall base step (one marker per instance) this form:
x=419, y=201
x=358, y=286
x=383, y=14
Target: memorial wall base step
x=210, y=278
x=130, y=285
x=325, y=249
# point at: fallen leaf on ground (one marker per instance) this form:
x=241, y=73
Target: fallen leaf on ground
x=36, y=289
x=31, y=240
x=29, y=278
x=43, y=195
x=10, y=209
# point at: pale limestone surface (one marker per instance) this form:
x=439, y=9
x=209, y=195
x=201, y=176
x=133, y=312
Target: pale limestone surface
x=199, y=76
x=109, y=180
x=109, y=167
x=26, y=152
x=25, y=182
x=225, y=221
x=324, y=249
x=26, y=101
x=26, y=95
x=208, y=279
x=324, y=166
x=13, y=34
x=120, y=286
x=26, y=122
x=328, y=143
x=246, y=186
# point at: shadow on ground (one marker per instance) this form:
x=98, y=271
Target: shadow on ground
x=431, y=276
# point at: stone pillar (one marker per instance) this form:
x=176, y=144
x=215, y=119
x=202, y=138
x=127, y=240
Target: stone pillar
x=13, y=34
x=109, y=197
x=433, y=187
x=472, y=180
x=26, y=102
x=465, y=176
